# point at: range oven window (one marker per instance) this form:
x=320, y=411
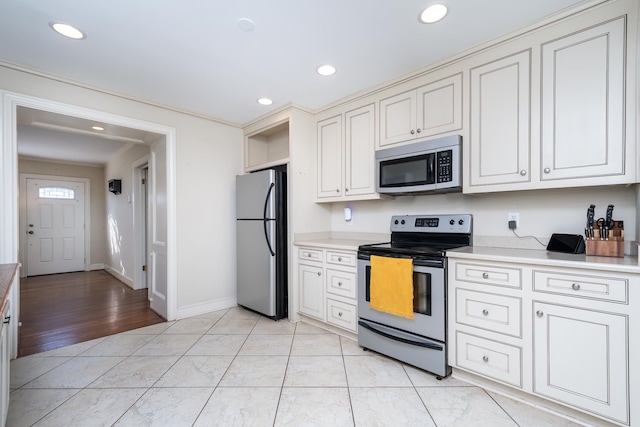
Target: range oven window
x=416, y=170
x=421, y=291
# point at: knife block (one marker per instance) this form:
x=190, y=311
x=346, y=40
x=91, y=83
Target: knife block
x=614, y=247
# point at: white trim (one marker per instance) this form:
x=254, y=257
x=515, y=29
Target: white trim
x=23, y=216
x=121, y=277
x=139, y=224
x=203, y=308
x=9, y=227
x=96, y=266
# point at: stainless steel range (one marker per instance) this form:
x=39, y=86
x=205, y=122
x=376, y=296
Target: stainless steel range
x=421, y=341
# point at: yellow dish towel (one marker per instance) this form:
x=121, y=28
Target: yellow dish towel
x=391, y=287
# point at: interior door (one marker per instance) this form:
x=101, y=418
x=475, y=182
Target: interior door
x=157, y=228
x=55, y=226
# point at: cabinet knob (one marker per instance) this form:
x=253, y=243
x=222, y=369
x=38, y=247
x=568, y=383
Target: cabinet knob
x=485, y=312
x=413, y=132
x=308, y=255
x=339, y=283
x=485, y=358
x=576, y=286
x=319, y=274
x=346, y=189
x=523, y=172
x=547, y=170
x=485, y=275
x=340, y=314
x=337, y=190
x=339, y=258
x=419, y=130
x=539, y=313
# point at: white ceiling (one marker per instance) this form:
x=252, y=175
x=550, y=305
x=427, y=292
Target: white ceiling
x=192, y=55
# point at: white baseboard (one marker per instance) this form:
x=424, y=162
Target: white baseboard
x=202, y=308
x=124, y=279
x=99, y=266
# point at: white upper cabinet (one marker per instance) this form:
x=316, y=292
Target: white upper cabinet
x=583, y=96
x=360, y=154
x=267, y=147
x=330, y=155
x=499, y=140
x=346, y=157
x=429, y=110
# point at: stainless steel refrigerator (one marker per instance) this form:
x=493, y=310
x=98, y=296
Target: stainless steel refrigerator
x=261, y=229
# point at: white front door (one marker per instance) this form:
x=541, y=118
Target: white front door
x=55, y=226
x=157, y=229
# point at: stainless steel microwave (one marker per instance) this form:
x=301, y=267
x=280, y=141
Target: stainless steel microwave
x=431, y=166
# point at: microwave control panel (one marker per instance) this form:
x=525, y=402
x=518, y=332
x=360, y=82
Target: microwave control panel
x=444, y=166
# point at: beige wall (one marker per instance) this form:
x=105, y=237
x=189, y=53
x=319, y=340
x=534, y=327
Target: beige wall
x=208, y=155
x=121, y=243
x=97, y=252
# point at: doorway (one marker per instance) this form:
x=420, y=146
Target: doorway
x=9, y=223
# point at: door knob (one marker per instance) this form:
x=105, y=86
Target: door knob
x=30, y=231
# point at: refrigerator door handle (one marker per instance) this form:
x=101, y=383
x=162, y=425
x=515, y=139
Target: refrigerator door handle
x=266, y=220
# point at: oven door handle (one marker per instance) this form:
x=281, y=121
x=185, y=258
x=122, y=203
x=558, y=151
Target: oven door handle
x=428, y=345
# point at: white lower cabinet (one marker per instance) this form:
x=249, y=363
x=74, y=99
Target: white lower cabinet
x=580, y=358
x=5, y=360
x=561, y=333
x=327, y=286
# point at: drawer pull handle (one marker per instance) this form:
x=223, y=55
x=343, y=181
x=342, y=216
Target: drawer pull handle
x=319, y=274
x=485, y=275
x=485, y=312
x=340, y=314
x=308, y=255
x=539, y=313
x=339, y=283
x=576, y=286
x=339, y=258
x=485, y=358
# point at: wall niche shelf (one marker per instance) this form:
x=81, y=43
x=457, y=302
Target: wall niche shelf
x=267, y=147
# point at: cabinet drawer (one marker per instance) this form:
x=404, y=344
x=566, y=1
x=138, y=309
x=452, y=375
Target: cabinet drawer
x=489, y=274
x=586, y=286
x=490, y=358
x=342, y=314
x=310, y=254
x=341, y=283
x=342, y=258
x=493, y=312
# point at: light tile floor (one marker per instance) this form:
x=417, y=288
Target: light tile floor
x=235, y=368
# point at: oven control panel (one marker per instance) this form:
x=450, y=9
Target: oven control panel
x=459, y=223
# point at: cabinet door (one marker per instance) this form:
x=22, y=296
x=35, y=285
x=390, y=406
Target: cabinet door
x=500, y=114
x=330, y=165
x=439, y=106
x=580, y=359
x=310, y=280
x=583, y=95
x=360, y=151
x=5, y=346
x=398, y=118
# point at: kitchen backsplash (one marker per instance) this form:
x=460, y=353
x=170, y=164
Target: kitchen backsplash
x=542, y=213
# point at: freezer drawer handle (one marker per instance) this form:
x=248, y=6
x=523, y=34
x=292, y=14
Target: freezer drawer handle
x=402, y=340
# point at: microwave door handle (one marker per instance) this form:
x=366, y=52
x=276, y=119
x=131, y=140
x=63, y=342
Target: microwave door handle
x=431, y=167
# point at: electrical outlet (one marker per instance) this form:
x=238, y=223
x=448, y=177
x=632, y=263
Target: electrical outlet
x=514, y=217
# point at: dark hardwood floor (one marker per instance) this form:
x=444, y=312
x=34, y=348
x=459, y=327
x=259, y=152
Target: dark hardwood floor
x=62, y=309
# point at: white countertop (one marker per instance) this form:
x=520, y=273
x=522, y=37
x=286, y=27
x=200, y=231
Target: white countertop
x=528, y=256
x=339, y=241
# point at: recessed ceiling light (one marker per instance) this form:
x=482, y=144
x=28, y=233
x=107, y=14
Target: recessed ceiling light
x=326, y=70
x=246, y=24
x=98, y=128
x=67, y=30
x=433, y=13
x=265, y=101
